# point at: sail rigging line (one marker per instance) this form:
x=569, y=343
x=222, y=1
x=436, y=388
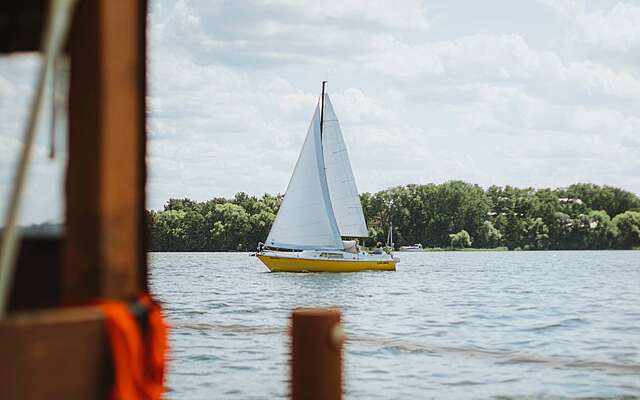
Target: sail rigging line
x=54, y=109
x=322, y=110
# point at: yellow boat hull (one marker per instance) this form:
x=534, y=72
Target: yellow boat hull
x=286, y=264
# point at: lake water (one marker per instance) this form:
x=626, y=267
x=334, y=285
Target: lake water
x=445, y=325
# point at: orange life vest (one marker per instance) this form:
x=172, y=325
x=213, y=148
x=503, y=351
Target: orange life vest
x=138, y=339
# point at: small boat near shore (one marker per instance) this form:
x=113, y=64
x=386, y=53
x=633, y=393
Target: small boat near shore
x=413, y=247
x=321, y=207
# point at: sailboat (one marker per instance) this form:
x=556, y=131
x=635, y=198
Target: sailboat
x=321, y=207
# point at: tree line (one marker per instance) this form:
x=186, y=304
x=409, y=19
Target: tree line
x=452, y=214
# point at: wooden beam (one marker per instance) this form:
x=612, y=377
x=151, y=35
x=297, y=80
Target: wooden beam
x=36, y=283
x=64, y=353
x=21, y=24
x=56, y=354
x=143, y=223
x=105, y=234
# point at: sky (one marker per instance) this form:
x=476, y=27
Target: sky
x=540, y=93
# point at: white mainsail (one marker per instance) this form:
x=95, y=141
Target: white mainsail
x=305, y=219
x=342, y=184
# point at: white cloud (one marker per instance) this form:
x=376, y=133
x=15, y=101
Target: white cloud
x=233, y=86
x=413, y=109
x=616, y=29
x=611, y=33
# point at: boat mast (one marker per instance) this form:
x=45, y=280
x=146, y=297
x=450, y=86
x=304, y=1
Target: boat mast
x=322, y=109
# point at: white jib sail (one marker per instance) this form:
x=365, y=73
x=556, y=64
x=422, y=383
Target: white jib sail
x=305, y=219
x=342, y=184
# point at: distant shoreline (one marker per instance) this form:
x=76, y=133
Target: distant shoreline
x=469, y=250
x=452, y=216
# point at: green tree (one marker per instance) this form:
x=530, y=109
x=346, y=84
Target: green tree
x=460, y=240
x=535, y=234
x=168, y=233
x=179, y=204
x=628, y=226
x=561, y=232
x=488, y=236
x=577, y=217
x=602, y=232
x=454, y=206
x=610, y=199
x=230, y=225
x=195, y=231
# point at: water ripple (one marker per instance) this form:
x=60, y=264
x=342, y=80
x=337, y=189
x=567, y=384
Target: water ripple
x=518, y=325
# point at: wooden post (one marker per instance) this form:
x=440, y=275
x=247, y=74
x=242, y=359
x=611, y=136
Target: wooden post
x=105, y=232
x=63, y=353
x=316, y=354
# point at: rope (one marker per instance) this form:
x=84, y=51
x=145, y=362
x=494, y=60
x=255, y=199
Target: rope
x=515, y=357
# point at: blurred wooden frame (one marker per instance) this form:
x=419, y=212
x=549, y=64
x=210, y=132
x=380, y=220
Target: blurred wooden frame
x=51, y=351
